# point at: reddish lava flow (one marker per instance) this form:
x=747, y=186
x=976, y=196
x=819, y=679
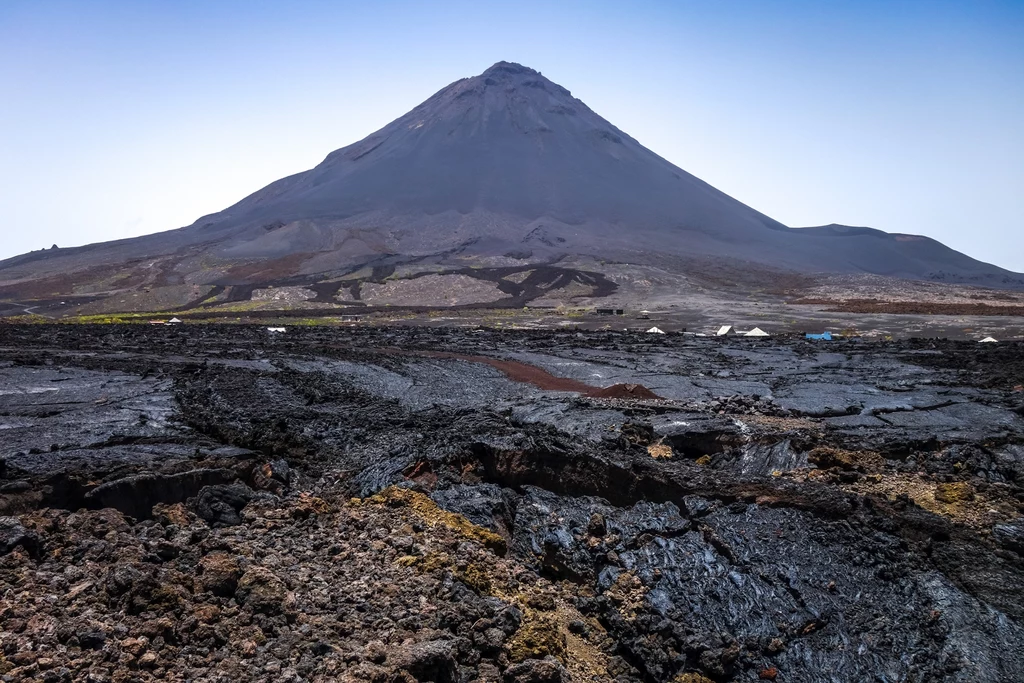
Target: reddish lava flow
x=530, y=374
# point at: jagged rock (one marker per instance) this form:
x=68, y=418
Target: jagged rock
x=135, y=646
x=376, y=651
x=719, y=662
x=92, y=640
x=1011, y=535
x=120, y=579
x=262, y=591
x=547, y=670
x=13, y=535
x=219, y=573
x=136, y=495
x=428, y=661
x=691, y=559
x=273, y=476
x=508, y=618
x=221, y=505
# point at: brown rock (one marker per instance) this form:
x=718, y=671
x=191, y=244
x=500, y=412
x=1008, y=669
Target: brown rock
x=135, y=646
x=162, y=627
x=261, y=590
x=541, y=601
x=176, y=514
x=308, y=505
x=596, y=526
x=206, y=614
x=375, y=651
x=219, y=573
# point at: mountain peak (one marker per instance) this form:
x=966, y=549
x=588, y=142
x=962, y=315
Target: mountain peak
x=502, y=165
x=509, y=68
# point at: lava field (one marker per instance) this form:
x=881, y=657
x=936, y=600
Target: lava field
x=219, y=503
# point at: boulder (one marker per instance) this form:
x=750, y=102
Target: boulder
x=13, y=535
x=432, y=660
x=221, y=505
x=219, y=574
x=1010, y=535
x=547, y=670
x=262, y=591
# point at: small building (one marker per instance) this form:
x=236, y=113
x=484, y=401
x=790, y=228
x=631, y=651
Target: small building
x=757, y=332
x=610, y=311
x=988, y=340
x=174, y=321
x=645, y=315
x=726, y=331
x=824, y=336
x=350, y=318
x=656, y=330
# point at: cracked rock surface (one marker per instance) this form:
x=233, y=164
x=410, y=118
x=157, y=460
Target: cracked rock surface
x=218, y=504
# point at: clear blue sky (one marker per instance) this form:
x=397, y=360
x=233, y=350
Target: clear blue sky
x=122, y=118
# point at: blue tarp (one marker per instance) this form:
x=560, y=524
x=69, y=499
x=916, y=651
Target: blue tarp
x=827, y=336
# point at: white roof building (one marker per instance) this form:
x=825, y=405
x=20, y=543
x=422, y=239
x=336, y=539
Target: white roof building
x=988, y=340
x=757, y=332
x=725, y=330
x=656, y=330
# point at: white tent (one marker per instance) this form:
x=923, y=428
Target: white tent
x=655, y=330
x=173, y=321
x=757, y=332
x=275, y=329
x=988, y=340
x=725, y=330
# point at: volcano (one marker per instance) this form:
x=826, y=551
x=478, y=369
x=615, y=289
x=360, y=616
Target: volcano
x=502, y=169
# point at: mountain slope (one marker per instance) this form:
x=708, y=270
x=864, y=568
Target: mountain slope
x=504, y=164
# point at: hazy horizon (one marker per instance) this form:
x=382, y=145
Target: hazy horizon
x=125, y=119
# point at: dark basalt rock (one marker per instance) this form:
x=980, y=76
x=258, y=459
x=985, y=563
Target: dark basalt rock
x=14, y=535
x=221, y=505
x=136, y=495
x=547, y=670
x=744, y=550
x=429, y=661
x=1011, y=535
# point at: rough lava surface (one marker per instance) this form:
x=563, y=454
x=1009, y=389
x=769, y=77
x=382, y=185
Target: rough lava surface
x=208, y=503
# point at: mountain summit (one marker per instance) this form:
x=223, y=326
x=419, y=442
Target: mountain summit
x=504, y=165
x=504, y=160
